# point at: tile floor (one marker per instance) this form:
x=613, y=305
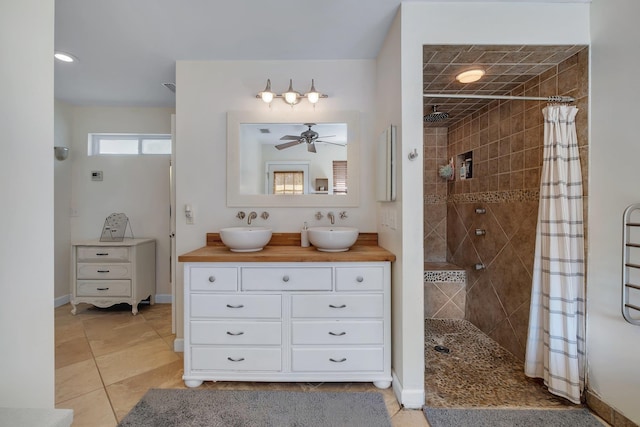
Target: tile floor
x=106, y=360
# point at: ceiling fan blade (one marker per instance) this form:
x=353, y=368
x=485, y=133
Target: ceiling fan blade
x=287, y=144
x=311, y=148
x=289, y=137
x=332, y=143
x=327, y=136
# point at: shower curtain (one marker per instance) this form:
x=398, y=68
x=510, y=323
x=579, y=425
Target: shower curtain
x=555, y=343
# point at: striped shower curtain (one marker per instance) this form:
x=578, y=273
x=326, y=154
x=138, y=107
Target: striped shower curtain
x=555, y=344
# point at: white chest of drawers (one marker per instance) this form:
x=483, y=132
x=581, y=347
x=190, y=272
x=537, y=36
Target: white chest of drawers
x=108, y=273
x=278, y=321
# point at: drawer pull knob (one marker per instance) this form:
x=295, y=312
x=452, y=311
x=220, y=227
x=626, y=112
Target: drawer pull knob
x=344, y=359
x=359, y=279
x=285, y=278
x=338, y=306
x=235, y=334
x=239, y=359
x=212, y=279
x=103, y=271
x=102, y=289
x=337, y=334
x=235, y=306
x=102, y=254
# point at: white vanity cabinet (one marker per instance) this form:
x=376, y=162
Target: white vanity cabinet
x=279, y=321
x=108, y=273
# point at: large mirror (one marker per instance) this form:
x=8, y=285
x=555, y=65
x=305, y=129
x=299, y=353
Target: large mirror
x=292, y=159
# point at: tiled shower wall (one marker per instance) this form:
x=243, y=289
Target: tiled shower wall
x=435, y=195
x=506, y=138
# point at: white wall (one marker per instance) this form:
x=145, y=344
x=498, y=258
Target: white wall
x=613, y=345
x=451, y=23
x=208, y=90
x=135, y=185
x=407, y=331
x=26, y=188
x=62, y=201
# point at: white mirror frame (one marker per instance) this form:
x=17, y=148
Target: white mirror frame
x=235, y=199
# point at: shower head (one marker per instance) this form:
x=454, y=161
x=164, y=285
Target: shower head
x=436, y=116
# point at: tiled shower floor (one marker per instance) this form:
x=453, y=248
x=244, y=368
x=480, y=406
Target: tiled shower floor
x=477, y=372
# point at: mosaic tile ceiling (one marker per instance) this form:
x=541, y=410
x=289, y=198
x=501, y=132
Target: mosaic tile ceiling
x=506, y=67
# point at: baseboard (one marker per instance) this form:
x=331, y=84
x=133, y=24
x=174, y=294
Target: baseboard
x=410, y=399
x=159, y=299
x=57, y=302
x=163, y=299
x=178, y=345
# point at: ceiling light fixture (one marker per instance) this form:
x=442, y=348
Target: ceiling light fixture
x=470, y=76
x=291, y=96
x=64, y=57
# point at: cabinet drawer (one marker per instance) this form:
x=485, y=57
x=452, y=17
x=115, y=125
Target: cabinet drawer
x=104, y=271
x=337, y=332
x=286, y=278
x=359, y=278
x=236, y=359
x=236, y=306
x=103, y=288
x=337, y=305
x=102, y=253
x=214, y=279
x=337, y=359
x=236, y=333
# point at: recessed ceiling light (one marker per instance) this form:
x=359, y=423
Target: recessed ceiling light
x=470, y=76
x=64, y=57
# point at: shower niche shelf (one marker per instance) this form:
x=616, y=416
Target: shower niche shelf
x=465, y=165
x=631, y=265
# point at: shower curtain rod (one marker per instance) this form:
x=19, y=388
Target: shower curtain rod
x=555, y=98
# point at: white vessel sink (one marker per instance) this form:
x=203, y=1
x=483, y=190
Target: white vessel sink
x=333, y=239
x=245, y=239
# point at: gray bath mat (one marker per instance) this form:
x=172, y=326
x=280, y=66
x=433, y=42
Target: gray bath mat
x=232, y=408
x=441, y=417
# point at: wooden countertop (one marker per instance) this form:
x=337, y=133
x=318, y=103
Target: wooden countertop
x=357, y=253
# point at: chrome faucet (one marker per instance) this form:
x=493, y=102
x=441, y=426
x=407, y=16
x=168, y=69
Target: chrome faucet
x=331, y=217
x=252, y=215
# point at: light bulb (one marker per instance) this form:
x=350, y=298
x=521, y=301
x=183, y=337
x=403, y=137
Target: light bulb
x=267, y=97
x=313, y=95
x=266, y=94
x=291, y=97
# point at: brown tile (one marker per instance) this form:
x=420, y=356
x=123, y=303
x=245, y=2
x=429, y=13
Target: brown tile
x=77, y=379
x=135, y=360
x=619, y=420
x=72, y=351
x=91, y=409
x=125, y=394
x=596, y=405
x=510, y=279
x=503, y=333
x=434, y=299
x=483, y=307
x=122, y=338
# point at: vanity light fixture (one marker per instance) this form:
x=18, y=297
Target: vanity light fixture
x=470, y=76
x=291, y=96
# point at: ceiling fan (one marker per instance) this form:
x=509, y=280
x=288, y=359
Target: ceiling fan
x=309, y=136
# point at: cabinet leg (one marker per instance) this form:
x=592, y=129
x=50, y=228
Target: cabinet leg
x=74, y=309
x=192, y=383
x=382, y=384
x=134, y=309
